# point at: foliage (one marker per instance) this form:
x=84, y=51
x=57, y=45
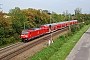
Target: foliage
x=77, y=11
x=36, y=17
x=57, y=17
x=5, y=25
x=75, y=28
x=4, y=41
x=2, y=34
x=18, y=18
x=16, y=36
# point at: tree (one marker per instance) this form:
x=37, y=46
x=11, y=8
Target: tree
x=5, y=25
x=36, y=17
x=78, y=11
x=56, y=17
x=18, y=19
x=45, y=11
x=67, y=15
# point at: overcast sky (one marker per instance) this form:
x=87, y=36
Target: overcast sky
x=57, y=6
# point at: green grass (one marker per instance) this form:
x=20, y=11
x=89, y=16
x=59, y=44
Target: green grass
x=62, y=52
x=60, y=48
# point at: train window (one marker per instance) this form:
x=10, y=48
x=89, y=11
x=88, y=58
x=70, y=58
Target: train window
x=25, y=32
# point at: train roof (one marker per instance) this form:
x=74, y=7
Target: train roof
x=32, y=29
x=46, y=24
x=75, y=20
x=61, y=22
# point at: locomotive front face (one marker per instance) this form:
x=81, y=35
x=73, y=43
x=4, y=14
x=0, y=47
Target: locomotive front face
x=24, y=34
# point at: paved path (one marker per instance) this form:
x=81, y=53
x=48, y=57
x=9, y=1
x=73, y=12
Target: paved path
x=81, y=50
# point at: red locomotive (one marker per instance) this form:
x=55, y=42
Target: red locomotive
x=44, y=29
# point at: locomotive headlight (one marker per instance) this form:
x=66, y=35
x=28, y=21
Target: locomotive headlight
x=26, y=36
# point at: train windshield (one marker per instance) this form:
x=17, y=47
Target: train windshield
x=24, y=32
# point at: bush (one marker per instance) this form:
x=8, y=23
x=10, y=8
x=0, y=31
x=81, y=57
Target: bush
x=11, y=40
x=4, y=41
x=16, y=36
x=87, y=22
x=75, y=28
x=0, y=41
x=69, y=33
x=81, y=25
x=2, y=32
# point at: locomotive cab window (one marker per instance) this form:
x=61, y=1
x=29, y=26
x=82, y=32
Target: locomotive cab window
x=25, y=32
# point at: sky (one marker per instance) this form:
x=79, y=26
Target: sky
x=58, y=6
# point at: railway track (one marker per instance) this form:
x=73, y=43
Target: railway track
x=8, y=53
x=10, y=47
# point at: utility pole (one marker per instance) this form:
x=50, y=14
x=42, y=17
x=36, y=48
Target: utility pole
x=51, y=28
x=51, y=40
x=69, y=24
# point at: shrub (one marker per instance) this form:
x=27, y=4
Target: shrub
x=75, y=28
x=87, y=22
x=11, y=40
x=2, y=32
x=81, y=25
x=4, y=41
x=16, y=36
x=0, y=41
x=69, y=33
